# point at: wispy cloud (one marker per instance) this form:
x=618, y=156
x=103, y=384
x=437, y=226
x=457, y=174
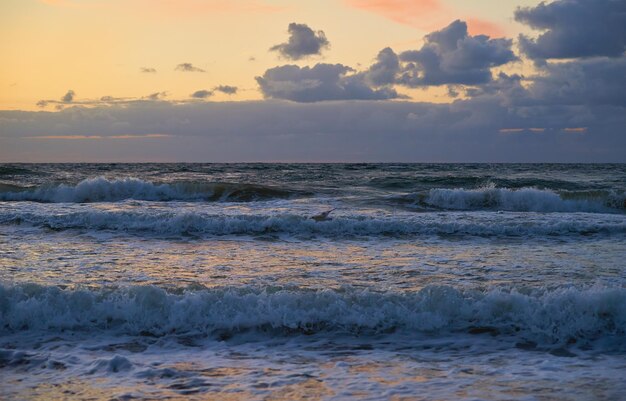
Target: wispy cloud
x=227, y=89
x=98, y=137
x=188, y=67
x=148, y=70
x=425, y=14
x=156, y=96
x=579, y=130
x=69, y=99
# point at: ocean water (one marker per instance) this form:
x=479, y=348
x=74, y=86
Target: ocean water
x=211, y=281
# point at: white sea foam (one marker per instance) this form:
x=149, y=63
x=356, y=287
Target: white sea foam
x=196, y=221
x=101, y=189
x=546, y=317
x=524, y=199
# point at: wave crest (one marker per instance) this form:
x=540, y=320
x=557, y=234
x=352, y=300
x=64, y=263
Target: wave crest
x=101, y=189
x=558, y=316
x=199, y=223
x=524, y=200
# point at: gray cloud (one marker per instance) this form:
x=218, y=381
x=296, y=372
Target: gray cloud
x=202, y=94
x=480, y=129
x=321, y=82
x=575, y=28
x=303, y=42
x=586, y=84
x=452, y=56
x=156, y=95
x=598, y=81
x=385, y=69
x=188, y=67
x=68, y=97
x=227, y=89
x=148, y=70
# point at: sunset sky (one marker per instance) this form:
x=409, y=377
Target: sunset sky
x=328, y=80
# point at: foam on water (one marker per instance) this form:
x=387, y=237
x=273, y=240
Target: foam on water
x=100, y=189
x=524, y=199
x=548, y=317
x=197, y=221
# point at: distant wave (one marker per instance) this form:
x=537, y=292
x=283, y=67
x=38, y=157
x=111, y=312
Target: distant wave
x=560, y=316
x=101, y=189
x=198, y=223
x=15, y=170
x=523, y=200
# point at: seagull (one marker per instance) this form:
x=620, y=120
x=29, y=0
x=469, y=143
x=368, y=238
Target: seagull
x=323, y=216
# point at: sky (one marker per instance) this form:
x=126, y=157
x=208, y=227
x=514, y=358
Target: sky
x=313, y=81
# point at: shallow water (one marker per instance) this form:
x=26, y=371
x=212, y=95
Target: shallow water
x=206, y=281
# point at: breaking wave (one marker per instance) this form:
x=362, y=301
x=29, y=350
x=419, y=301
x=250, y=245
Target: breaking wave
x=101, y=189
x=524, y=200
x=560, y=316
x=197, y=223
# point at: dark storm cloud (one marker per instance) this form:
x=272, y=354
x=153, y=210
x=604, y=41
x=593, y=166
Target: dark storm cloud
x=321, y=82
x=188, y=67
x=575, y=28
x=227, y=89
x=303, y=42
x=68, y=97
x=452, y=56
x=148, y=70
x=202, y=94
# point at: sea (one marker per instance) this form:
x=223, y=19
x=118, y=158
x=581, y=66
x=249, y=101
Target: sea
x=215, y=282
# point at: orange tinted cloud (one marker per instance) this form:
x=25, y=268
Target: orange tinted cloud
x=477, y=26
x=424, y=14
x=575, y=129
x=417, y=13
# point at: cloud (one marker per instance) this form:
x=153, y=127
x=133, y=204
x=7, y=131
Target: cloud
x=156, y=96
x=463, y=131
x=317, y=83
x=148, y=70
x=452, y=56
x=575, y=28
x=188, y=67
x=385, y=69
x=202, y=94
x=68, y=97
x=102, y=101
x=303, y=42
x=423, y=14
x=597, y=81
x=402, y=11
x=79, y=137
x=227, y=89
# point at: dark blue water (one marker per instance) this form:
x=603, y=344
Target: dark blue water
x=447, y=281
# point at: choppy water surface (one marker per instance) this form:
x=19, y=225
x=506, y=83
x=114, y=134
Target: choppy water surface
x=210, y=281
